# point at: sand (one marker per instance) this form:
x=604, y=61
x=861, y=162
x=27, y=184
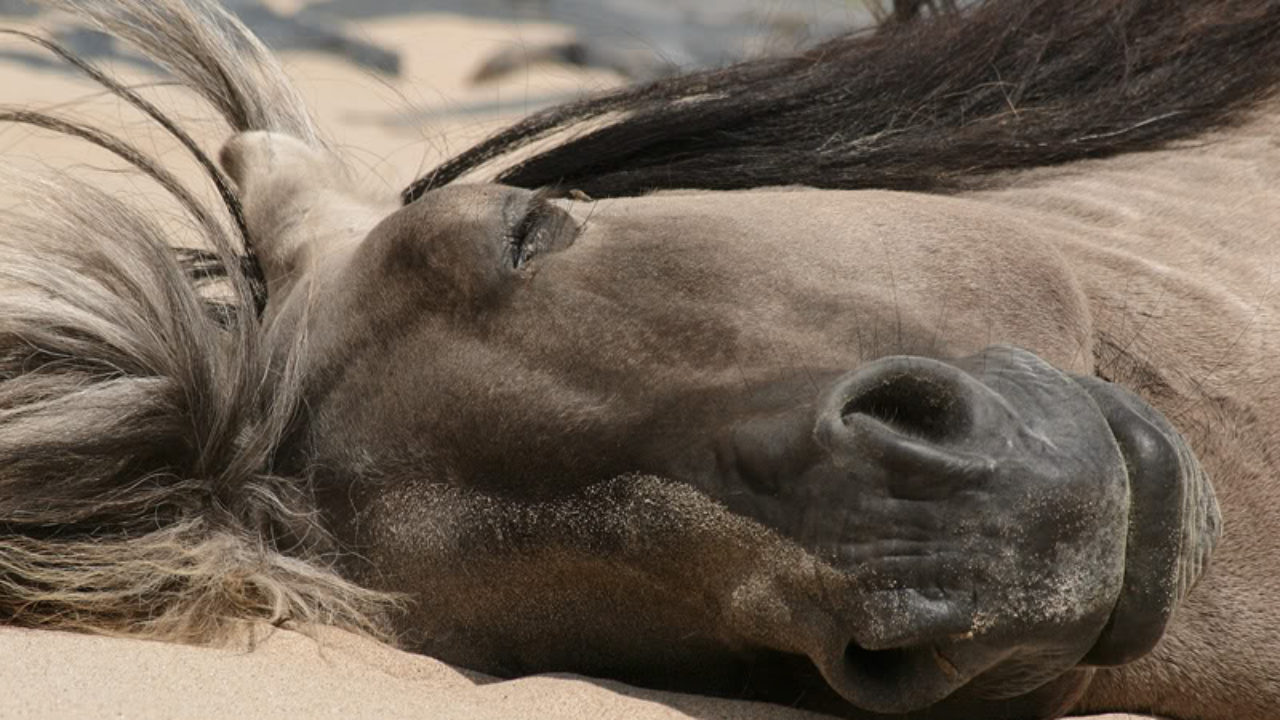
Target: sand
x=391, y=130
x=329, y=674
x=323, y=674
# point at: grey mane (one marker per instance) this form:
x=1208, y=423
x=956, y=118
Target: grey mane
x=136, y=429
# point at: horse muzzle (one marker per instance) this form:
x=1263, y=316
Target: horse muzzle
x=994, y=523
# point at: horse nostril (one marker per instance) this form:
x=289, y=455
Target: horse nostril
x=908, y=420
x=916, y=404
x=878, y=668
x=894, y=680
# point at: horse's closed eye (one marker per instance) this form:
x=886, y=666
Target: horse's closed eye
x=541, y=227
x=522, y=245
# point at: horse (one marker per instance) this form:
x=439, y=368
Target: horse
x=927, y=373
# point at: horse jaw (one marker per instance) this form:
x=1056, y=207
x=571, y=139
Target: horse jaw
x=301, y=205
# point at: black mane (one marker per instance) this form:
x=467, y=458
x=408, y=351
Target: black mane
x=935, y=104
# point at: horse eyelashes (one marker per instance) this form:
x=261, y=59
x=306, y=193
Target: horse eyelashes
x=543, y=227
x=522, y=245
x=515, y=241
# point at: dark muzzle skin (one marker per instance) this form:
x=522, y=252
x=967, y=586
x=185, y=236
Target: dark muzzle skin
x=999, y=522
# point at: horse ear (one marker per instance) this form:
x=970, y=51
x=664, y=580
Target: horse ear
x=1174, y=524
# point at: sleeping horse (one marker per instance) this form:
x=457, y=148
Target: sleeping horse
x=932, y=372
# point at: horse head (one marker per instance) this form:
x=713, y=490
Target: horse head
x=673, y=437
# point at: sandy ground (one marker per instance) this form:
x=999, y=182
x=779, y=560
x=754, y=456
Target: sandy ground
x=321, y=675
x=391, y=130
x=291, y=675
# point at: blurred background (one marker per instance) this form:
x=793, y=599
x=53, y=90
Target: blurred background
x=401, y=84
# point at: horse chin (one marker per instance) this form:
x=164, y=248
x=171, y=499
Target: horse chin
x=994, y=524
